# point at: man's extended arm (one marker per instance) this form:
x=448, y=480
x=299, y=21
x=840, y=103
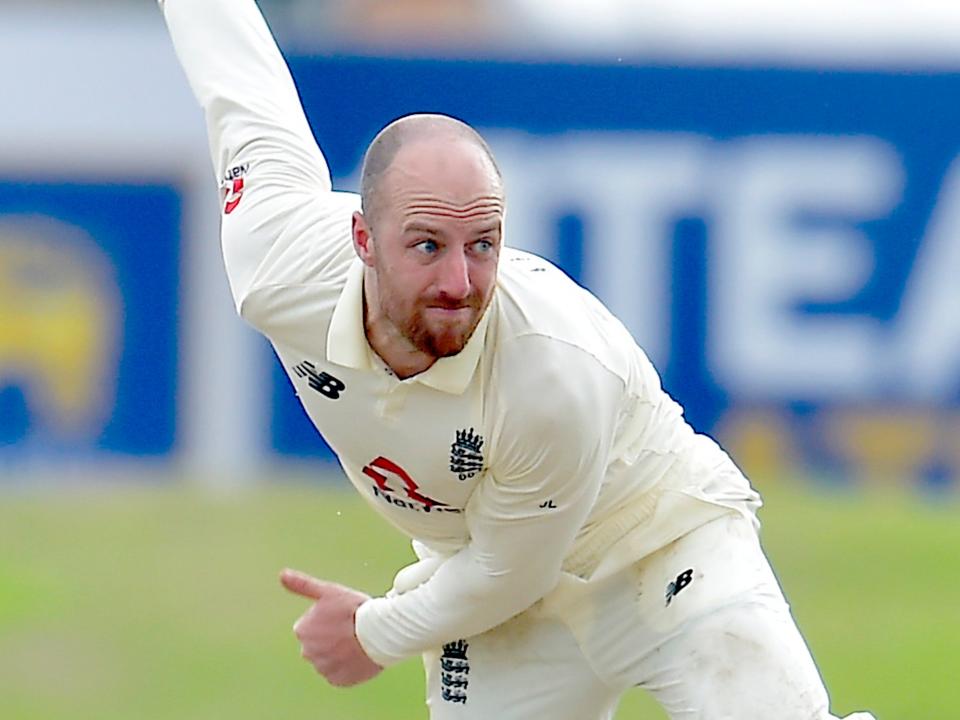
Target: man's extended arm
x=285, y=234
x=275, y=180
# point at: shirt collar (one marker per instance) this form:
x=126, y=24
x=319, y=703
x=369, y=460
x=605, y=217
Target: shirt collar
x=347, y=342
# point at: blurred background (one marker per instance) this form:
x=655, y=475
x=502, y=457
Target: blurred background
x=768, y=195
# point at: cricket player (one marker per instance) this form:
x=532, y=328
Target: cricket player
x=575, y=536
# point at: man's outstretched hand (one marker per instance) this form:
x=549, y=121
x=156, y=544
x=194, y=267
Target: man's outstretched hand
x=326, y=630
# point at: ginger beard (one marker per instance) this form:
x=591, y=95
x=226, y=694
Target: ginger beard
x=435, y=323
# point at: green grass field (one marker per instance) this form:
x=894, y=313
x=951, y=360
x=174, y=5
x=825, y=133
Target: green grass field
x=162, y=602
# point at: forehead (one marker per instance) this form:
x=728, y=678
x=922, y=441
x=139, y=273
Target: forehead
x=447, y=171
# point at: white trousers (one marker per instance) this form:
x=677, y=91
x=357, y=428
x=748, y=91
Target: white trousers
x=701, y=624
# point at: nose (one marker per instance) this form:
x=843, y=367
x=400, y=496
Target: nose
x=454, y=280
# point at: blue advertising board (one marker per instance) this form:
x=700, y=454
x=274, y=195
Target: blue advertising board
x=785, y=243
x=89, y=293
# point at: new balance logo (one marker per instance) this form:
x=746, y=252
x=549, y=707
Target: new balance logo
x=674, y=588
x=323, y=382
x=466, y=456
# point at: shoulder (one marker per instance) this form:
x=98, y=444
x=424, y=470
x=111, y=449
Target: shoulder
x=300, y=277
x=542, y=379
x=553, y=407
x=548, y=323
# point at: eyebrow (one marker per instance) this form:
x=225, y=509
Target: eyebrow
x=421, y=227
x=416, y=226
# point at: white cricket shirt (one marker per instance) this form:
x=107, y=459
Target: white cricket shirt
x=545, y=447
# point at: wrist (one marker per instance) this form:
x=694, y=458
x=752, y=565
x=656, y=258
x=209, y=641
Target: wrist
x=366, y=630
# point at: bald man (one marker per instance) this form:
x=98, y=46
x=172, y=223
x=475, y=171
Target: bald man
x=575, y=536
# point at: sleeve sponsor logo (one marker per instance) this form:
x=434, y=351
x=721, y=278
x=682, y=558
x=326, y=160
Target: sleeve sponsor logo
x=232, y=186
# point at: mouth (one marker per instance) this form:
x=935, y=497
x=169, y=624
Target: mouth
x=461, y=311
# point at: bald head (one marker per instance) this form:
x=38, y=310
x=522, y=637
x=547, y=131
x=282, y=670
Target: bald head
x=418, y=128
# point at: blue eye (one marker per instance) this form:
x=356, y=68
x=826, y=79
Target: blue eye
x=427, y=246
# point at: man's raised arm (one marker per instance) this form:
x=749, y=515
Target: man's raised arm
x=274, y=180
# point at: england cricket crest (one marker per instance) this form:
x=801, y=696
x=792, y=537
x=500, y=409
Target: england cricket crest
x=455, y=672
x=466, y=454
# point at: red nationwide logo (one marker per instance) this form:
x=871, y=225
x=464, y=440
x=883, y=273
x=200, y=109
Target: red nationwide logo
x=387, y=476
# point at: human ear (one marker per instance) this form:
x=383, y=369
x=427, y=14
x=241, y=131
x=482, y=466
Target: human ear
x=362, y=238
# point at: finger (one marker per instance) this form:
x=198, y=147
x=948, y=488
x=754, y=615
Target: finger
x=302, y=584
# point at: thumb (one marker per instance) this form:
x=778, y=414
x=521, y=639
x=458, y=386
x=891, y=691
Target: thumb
x=302, y=584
